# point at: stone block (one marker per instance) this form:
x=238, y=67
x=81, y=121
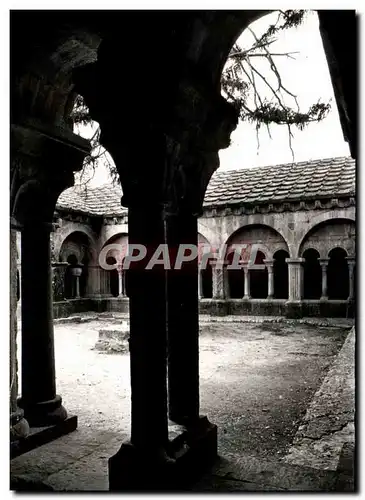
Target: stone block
x=114, y=338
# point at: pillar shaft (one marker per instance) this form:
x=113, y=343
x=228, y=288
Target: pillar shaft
x=351, y=264
x=147, y=311
x=121, y=287
x=200, y=284
x=183, y=322
x=270, y=277
x=324, y=266
x=39, y=400
x=219, y=288
x=247, y=282
x=295, y=277
x=18, y=425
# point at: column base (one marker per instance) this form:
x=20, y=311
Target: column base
x=294, y=309
x=323, y=298
x=44, y=413
x=190, y=452
x=39, y=436
x=19, y=427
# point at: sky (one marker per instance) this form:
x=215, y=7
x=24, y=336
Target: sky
x=307, y=77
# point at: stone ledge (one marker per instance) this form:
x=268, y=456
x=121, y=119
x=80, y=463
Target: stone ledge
x=42, y=435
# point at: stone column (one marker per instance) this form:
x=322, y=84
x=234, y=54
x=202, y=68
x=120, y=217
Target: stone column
x=270, y=271
x=121, y=283
x=76, y=273
x=246, y=270
x=147, y=311
x=295, y=276
x=19, y=427
x=351, y=263
x=163, y=186
x=324, y=265
x=94, y=281
x=218, y=275
x=200, y=284
x=42, y=406
x=183, y=322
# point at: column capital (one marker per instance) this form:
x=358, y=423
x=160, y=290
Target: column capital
x=42, y=166
x=324, y=260
x=298, y=260
x=351, y=259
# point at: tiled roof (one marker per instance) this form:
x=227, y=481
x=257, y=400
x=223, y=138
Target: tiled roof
x=325, y=178
x=102, y=200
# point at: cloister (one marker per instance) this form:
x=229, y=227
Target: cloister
x=184, y=122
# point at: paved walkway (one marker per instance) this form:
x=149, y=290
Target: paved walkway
x=258, y=378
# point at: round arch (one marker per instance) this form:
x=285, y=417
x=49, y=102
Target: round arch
x=257, y=237
x=316, y=237
x=67, y=231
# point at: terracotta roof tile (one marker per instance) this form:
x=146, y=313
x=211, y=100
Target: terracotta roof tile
x=294, y=181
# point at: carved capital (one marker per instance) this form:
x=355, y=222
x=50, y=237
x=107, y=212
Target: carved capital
x=42, y=166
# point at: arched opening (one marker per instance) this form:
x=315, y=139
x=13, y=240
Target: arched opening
x=113, y=277
x=259, y=277
x=207, y=281
x=236, y=281
x=337, y=275
x=280, y=274
x=312, y=274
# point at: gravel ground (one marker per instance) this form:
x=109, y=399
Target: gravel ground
x=257, y=379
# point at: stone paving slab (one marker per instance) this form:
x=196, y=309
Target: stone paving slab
x=329, y=420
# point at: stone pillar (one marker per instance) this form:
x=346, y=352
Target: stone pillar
x=351, y=263
x=42, y=406
x=121, y=283
x=246, y=270
x=183, y=321
x=200, y=284
x=19, y=427
x=324, y=266
x=295, y=277
x=163, y=186
x=76, y=273
x=270, y=271
x=219, y=283
x=94, y=281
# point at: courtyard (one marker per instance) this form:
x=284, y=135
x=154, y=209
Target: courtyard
x=257, y=380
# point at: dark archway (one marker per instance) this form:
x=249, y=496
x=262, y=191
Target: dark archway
x=236, y=279
x=281, y=288
x=312, y=275
x=337, y=275
x=114, y=277
x=259, y=277
x=207, y=281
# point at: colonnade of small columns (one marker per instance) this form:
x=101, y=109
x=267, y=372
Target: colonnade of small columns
x=295, y=279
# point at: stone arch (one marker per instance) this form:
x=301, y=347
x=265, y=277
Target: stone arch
x=260, y=237
x=328, y=233
x=119, y=249
x=67, y=230
x=76, y=243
